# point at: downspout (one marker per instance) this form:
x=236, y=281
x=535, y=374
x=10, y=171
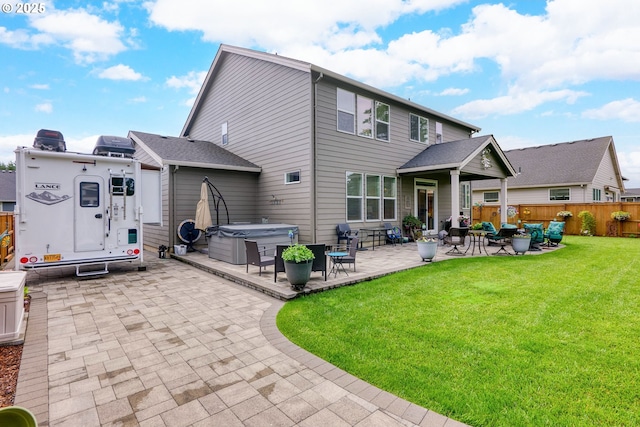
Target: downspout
x=314, y=160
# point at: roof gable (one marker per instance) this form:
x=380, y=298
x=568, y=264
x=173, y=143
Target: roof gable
x=225, y=50
x=189, y=152
x=459, y=155
x=567, y=163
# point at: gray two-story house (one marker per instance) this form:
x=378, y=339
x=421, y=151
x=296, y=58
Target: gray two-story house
x=296, y=143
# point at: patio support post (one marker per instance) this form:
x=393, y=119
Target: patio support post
x=455, y=196
x=503, y=200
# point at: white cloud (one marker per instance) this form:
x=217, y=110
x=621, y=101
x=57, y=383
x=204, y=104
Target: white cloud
x=192, y=81
x=88, y=36
x=120, y=72
x=627, y=110
x=138, y=100
x=40, y=86
x=515, y=102
x=452, y=91
x=44, y=107
x=630, y=166
x=9, y=143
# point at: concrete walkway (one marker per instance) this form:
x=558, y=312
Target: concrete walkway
x=178, y=346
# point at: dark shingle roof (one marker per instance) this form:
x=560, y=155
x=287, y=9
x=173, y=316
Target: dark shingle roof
x=447, y=153
x=631, y=192
x=7, y=186
x=174, y=150
x=564, y=163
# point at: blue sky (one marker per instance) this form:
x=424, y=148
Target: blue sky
x=528, y=72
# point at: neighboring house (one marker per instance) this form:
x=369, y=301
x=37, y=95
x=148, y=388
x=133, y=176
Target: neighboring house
x=631, y=195
x=7, y=190
x=320, y=149
x=578, y=172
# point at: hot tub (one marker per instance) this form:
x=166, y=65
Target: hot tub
x=226, y=242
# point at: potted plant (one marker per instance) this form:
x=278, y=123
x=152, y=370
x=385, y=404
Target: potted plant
x=411, y=224
x=521, y=243
x=564, y=214
x=298, y=261
x=620, y=215
x=427, y=247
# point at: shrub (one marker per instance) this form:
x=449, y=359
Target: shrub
x=588, y=223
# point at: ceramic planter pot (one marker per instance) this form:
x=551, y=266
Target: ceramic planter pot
x=298, y=273
x=520, y=244
x=427, y=250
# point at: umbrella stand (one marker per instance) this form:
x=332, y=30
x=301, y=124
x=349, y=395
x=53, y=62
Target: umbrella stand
x=217, y=199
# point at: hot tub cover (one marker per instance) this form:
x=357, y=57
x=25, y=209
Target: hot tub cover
x=252, y=231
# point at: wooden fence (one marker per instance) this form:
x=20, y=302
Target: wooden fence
x=7, y=243
x=605, y=226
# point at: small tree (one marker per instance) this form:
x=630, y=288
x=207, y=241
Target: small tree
x=588, y=223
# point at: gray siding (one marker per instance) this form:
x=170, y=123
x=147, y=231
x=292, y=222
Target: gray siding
x=239, y=190
x=339, y=152
x=267, y=108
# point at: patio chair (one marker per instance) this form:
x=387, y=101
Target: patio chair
x=344, y=233
x=456, y=236
x=554, y=233
x=394, y=234
x=500, y=238
x=256, y=257
x=537, y=235
x=490, y=229
x=353, y=250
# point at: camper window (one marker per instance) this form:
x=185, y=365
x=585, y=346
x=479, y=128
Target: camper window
x=89, y=194
x=116, y=186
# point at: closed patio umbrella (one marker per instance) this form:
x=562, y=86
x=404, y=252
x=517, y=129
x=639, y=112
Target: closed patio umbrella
x=203, y=214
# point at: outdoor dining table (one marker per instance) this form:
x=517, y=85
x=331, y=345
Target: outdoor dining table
x=476, y=240
x=336, y=262
x=375, y=232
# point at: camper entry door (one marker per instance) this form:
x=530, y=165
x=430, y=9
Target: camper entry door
x=90, y=213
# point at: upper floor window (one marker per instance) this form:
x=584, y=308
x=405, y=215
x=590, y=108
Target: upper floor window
x=382, y=121
x=365, y=116
x=419, y=128
x=559, y=194
x=346, y=111
x=439, y=138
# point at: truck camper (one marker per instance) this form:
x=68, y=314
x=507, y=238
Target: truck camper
x=75, y=209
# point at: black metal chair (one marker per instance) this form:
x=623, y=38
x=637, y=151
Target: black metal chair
x=353, y=250
x=394, y=234
x=455, y=237
x=256, y=257
x=344, y=233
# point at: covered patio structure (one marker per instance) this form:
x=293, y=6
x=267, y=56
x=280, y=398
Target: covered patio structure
x=436, y=183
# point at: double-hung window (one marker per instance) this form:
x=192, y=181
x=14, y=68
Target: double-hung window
x=465, y=196
x=382, y=121
x=373, y=197
x=365, y=116
x=389, y=198
x=354, y=196
x=419, y=128
x=346, y=111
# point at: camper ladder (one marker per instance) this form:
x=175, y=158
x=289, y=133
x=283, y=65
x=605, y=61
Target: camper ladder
x=117, y=190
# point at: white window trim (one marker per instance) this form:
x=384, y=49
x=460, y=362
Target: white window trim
x=378, y=197
x=559, y=200
x=394, y=198
x=484, y=197
x=420, y=118
x=388, y=123
x=353, y=113
x=287, y=175
x=360, y=197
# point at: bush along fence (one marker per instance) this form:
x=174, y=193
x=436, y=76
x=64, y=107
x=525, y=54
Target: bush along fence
x=613, y=219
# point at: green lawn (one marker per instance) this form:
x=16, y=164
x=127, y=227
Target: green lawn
x=493, y=341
